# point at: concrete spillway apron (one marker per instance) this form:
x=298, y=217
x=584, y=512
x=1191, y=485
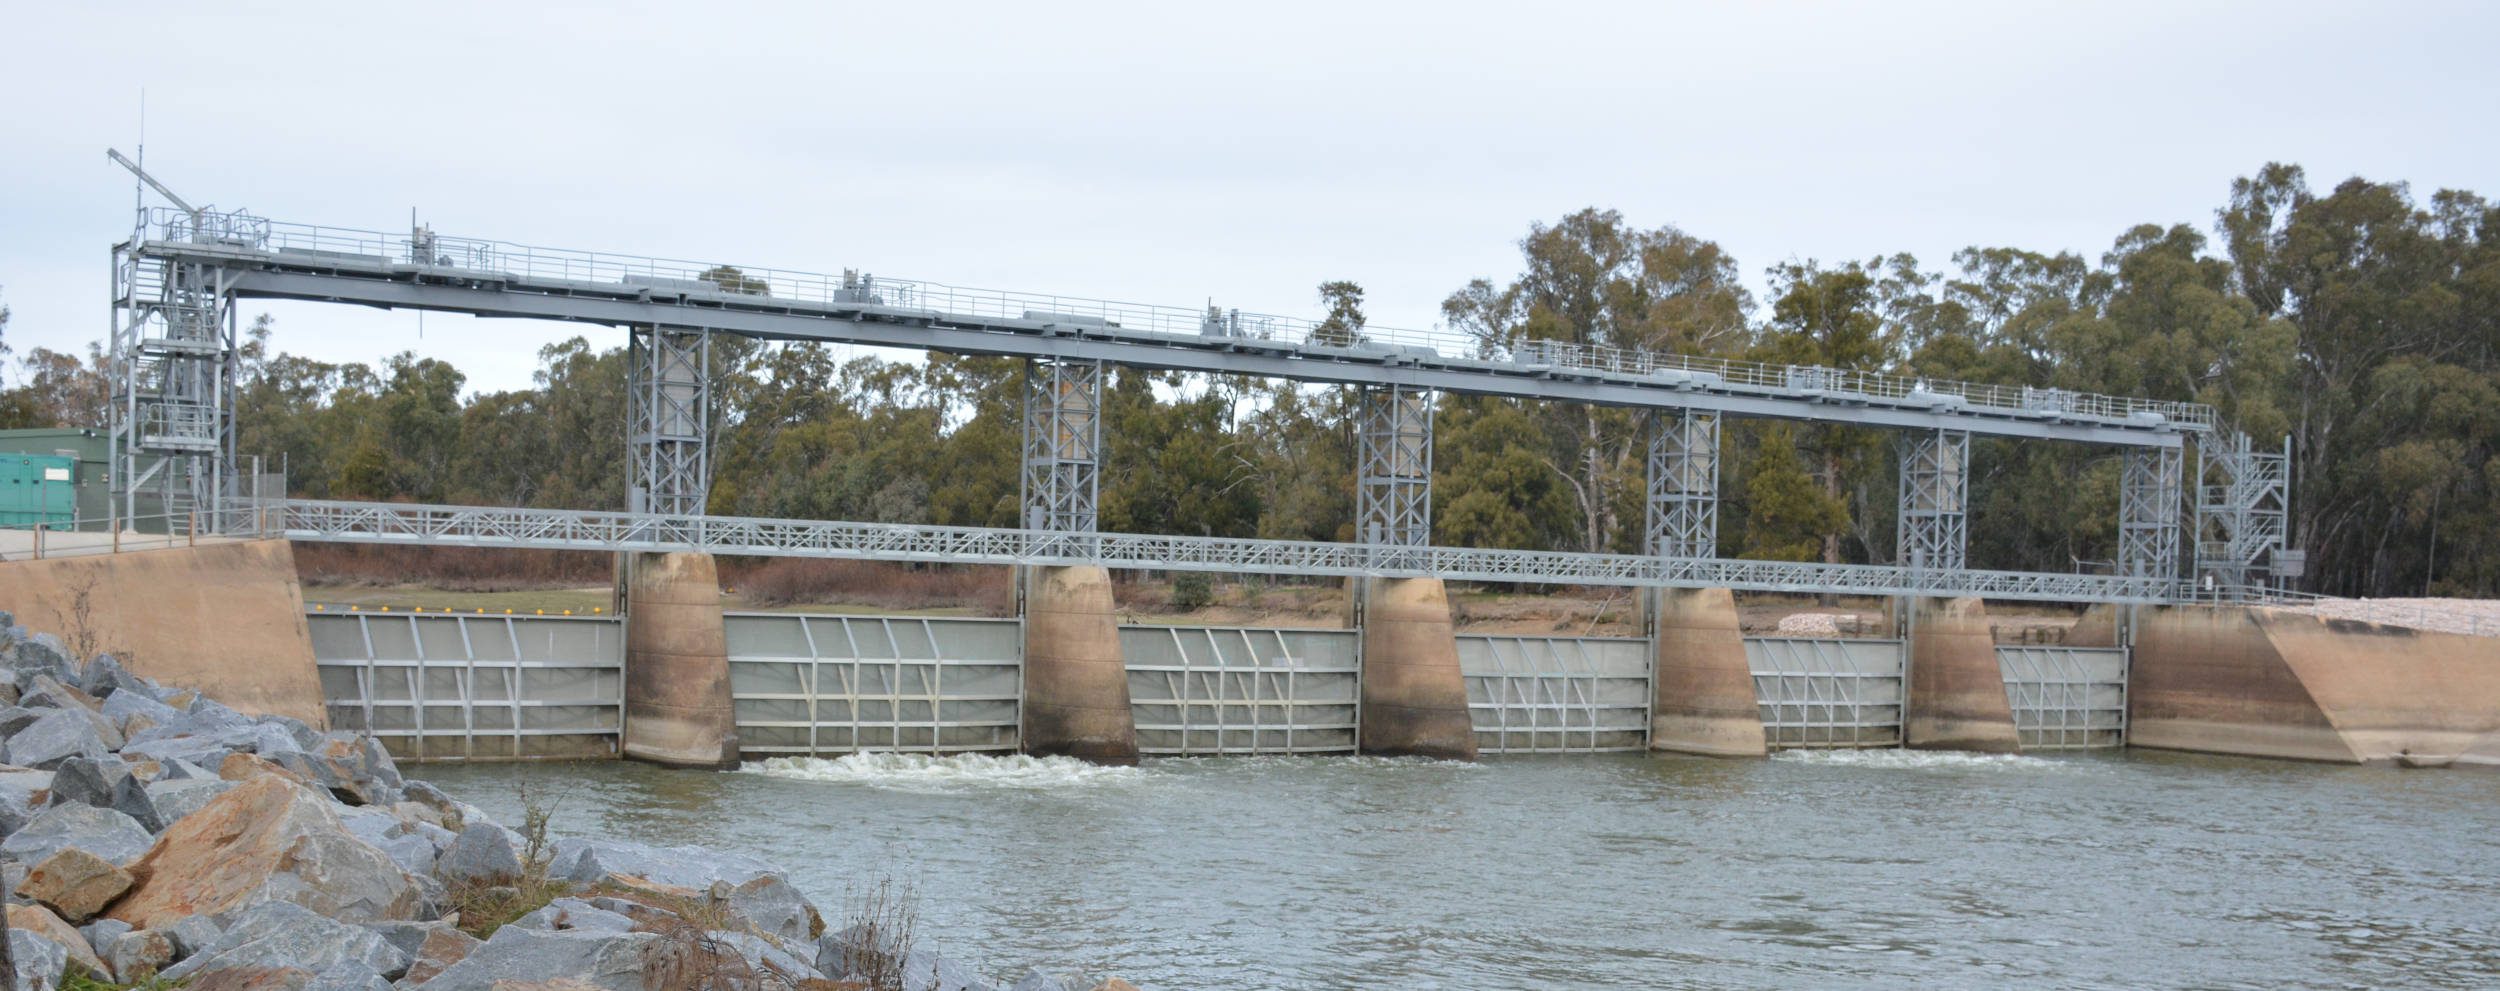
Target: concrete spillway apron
x=677, y=706
x=1075, y=685
x=1414, y=696
x=1957, y=695
x=1704, y=698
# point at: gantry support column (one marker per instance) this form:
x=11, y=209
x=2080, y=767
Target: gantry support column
x=1414, y=698
x=1934, y=530
x=2148, y=513
x=1683, y=484
x=668, y=416
x=172, y=362
x=1076, y=700
x=1703, y=697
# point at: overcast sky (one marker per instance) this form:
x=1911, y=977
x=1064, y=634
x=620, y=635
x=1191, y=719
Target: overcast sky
x=1173, y=153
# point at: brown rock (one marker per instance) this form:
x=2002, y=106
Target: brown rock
x=442, y=948
x=1115, y=984
x=269, y=839
x=75, y=883
x=39, y=922
x=138, y=954
x=240, y=766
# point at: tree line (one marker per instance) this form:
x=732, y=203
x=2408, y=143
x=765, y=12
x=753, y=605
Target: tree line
x=2360, y=322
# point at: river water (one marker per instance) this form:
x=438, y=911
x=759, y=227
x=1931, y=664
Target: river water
x=1866, y=869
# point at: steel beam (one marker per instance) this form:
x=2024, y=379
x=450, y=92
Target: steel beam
x=1683, y=484
x=1934, y=529
x=1062, y=476
x=2149, y=494
x=1393, y=466
x=2243, y=511
x=668, y=399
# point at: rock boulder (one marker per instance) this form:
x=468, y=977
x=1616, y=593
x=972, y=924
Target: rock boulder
x=75, y=883
x=269, y=839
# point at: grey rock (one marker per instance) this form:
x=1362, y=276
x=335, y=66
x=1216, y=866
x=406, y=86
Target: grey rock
x=109, y=835
x=284, y=934
x=44, y=691
x=766, y=957
x=426, y=794
x=130, y=798
x=482, y=852
x=39, y=961
x=16, y=717
x=406, y=937
x=411, y=851
x=18, y=787
x=198, y=751
x=774, y=908
x=348, y=977
x=684, y=866
x=574, y=913
x=137, y=953
x=272, y=740
x=616, y=961
x=378, y=762
x=81, y=780
x=178, y=797
x=59, y=735
x=104, y=677
x=193, y=934
x=40, y=655
x=101, y=932
x=121, y=707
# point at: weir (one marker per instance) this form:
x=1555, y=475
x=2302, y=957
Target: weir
x=677, y=681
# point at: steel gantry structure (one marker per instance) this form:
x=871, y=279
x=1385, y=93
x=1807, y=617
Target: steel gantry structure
x=672, y=309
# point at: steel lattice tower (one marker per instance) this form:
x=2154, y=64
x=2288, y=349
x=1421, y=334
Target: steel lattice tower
x=1683, y=485
x=2149, y=492
x=172, y=364
x=668, y=415
x=1062, y=445
x=1934, y=529
x=1393, y=466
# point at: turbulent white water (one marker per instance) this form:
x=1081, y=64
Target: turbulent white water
x=927, y=774
x=1919, y=760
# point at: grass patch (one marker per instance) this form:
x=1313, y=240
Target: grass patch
x=486, y=906
x=77, y=979
x=554, y=601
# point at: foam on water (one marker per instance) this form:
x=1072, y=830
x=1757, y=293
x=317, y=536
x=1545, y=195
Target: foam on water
x=931, y=774
x=1919, y=760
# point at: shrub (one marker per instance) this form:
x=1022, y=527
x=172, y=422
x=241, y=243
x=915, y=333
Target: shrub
x=1192, y=590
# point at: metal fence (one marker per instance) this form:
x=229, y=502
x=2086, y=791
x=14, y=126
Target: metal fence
x=2066, y=698
x=1532, y=694
x=1828, y=693
x=1204, y=690
x=809, y=684
x=453, y=687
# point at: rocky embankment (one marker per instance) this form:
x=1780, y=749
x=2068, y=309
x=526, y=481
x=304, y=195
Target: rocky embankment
x=151, y=836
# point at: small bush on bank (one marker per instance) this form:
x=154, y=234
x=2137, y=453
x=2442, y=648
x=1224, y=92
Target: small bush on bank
x=1192, y=590
x=883, y=584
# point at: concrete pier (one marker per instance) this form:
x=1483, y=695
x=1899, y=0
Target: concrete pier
x=1705, y=701
x=677, y=706
x=226, y=618
x=2274, y=683
x=1075, y=686
x=1414, y=697
x=1957, y=695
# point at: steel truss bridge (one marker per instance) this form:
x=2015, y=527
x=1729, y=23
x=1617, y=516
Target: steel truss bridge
x=574, y=530
x=177, y=280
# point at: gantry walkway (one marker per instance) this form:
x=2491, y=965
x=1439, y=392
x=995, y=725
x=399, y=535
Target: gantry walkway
x=557, y=529
x=261, y=258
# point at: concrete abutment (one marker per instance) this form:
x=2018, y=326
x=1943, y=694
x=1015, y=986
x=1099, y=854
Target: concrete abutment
x=1704, y=699
x=678, y=711
x=1076, y=701
x=1956, y=686
x=1414, y=696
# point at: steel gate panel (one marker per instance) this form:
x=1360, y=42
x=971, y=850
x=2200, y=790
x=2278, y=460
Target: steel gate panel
x=454, y=687
x=1206, y=690
x=823, y=684
x=2066, y=698
x=1828, y=693
x=1529, y=694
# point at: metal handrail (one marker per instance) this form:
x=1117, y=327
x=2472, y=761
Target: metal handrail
x=507, y=261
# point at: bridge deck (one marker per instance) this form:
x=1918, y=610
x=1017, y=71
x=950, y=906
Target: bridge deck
x=557, y=529
x=486, y=278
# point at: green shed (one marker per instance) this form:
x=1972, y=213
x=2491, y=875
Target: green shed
x=38, y=490
x=87, y=454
